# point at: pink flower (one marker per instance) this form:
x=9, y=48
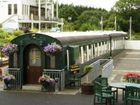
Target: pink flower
x=131, y=75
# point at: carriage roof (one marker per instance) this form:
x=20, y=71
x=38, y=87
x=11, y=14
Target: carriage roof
x=69, y=37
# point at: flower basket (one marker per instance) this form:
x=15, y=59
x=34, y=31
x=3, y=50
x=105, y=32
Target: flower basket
x=8, y=79
x=9, y=48
x=52, y=49
x=48, y=84
x=87, y=88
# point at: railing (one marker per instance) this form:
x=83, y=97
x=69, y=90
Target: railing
x=59, y=74
x=107, y=67
x=93, y=74
x=101, y=67
x=16, y=84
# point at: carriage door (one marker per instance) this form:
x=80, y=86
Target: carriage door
x=34, y=70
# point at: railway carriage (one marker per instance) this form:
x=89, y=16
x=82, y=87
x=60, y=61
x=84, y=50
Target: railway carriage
x=76, y=49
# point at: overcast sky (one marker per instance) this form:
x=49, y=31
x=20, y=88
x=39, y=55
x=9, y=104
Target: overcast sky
x=106, y=4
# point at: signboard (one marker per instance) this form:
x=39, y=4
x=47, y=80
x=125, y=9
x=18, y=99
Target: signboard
x=75, y=68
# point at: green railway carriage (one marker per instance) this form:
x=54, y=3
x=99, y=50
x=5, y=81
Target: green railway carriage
x=77, y=48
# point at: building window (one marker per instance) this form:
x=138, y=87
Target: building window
x=9, y=9
x=15, y=8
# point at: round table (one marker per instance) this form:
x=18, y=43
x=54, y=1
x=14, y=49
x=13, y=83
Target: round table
x=122, y=85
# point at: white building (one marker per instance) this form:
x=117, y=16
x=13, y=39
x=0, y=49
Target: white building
x=39, y=14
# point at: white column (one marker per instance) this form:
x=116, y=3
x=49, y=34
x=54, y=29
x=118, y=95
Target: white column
x=87, y=50
x=101, y=23
x=62, y=23
x=52, y=11
x=32, y=24
x=68, y=64
x=39, y=14
x=130, y=27
x=82, y=55
x=115, y=24
x=46, y=12
x=92, y=50
x=57, y=9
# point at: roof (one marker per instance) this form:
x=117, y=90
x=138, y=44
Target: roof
x=70, y=37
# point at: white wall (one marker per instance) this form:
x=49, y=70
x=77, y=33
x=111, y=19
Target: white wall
x=11, y=23
x=3, y=11
x=4, y=8
x=132, y=44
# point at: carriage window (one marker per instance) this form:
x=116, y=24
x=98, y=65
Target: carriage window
x=90, y=50
x=80, y=56
x=52, y=61
x=105, y=47
x=85, y=54
x=15, y=59
x=96, y=49
x=35, y=57
x=87, y=50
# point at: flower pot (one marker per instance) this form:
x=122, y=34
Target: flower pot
x=87, y=88
x=8, y=84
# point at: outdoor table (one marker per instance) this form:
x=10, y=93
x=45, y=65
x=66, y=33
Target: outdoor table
x=122, y=85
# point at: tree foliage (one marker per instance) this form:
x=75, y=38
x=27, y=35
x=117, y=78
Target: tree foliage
x=87, y=18
x=81, y=18
x=126, y=8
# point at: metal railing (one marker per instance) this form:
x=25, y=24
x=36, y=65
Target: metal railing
x=57, y=74
x=16, y=84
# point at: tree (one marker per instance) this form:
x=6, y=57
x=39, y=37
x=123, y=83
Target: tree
x=67, y=12
x=80, y=17
x=90, y=20
x=126, y=8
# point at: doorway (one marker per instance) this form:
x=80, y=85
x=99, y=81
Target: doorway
x=32, y=64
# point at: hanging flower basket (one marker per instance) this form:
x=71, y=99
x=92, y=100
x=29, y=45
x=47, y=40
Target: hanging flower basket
x=52, y=49
x=9, y=48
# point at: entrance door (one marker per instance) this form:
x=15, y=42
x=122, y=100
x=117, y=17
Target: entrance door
x=34, y=70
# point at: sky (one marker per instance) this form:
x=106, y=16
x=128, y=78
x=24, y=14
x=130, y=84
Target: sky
x=106, y=4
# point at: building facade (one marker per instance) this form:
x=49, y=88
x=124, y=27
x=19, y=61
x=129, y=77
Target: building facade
x=40, y=14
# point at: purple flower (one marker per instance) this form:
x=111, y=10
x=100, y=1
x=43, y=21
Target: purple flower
x=8, y=77
x=52, y=49
x=9, y=48
x=46, y=78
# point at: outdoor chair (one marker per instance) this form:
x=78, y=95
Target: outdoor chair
x=106, y=87
x=74, y=80
x=133, y=79
x=102, y=96
x=132, y=94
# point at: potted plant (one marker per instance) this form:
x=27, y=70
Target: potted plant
x=133, y=75
x=8, y=78
x=52, y=49
x=87, y=87
x=48, y=83
x=9, y=48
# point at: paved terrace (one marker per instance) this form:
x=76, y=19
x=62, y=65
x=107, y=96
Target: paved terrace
x=127, y=61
